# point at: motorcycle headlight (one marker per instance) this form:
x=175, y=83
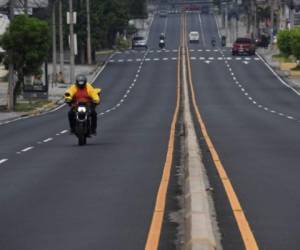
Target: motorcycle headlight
x=81, y=109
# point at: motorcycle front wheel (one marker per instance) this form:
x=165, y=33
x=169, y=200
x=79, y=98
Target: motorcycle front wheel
x=81, y=140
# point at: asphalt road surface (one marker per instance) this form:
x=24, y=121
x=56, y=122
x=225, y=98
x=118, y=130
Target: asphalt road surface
x=253, y=120
x=56, y=195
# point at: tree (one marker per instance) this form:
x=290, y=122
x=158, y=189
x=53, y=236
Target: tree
x=28, y=41
x=137, y=8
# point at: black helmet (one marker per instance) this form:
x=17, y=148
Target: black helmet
x=81, y=81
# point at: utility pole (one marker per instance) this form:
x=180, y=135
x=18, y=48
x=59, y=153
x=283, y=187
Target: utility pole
x=61, y=38
x=54, y=50
x=272, y=19
x=226, y=21
x=72, y=52
x=89, y=49
x=26, y=7
x=11, y=78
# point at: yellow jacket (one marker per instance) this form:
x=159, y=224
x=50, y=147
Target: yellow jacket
x=94, y=93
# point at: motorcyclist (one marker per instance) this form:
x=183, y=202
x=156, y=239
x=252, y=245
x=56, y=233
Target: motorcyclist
x=82, y=92
x=213, y=42
x=162, y=38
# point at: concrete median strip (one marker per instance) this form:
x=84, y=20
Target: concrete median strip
x=200, y=223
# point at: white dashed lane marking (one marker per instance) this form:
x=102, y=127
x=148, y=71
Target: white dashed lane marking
x=27, y=149
x=3, y=160
x=48, y=139
x=251, y=99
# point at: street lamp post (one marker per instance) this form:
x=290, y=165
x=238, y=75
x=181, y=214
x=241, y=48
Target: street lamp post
x=72, y=51
x=89, y=49
x=11, y=85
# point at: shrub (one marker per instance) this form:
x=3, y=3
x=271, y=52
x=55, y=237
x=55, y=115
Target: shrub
x=284, y=42
x=295, y=42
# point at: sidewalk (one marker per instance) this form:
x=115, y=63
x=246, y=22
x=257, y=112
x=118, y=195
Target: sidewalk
x=267, y=54
x=55, y=94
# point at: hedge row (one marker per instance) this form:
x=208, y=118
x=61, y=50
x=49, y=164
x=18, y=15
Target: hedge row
x=289, y=42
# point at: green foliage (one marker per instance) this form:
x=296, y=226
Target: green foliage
x=27, y=43
x=284, y=42
x=122, y=43
x=295, y=42
x=27, y=39
x=137, y=8
x=109, y=17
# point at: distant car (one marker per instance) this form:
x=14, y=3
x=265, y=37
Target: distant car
x=243, y=46
x=205, y=10
x=194, y=37
x=139, y=42
x=174, y=11
x=163, y=13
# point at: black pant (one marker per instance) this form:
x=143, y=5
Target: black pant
x=72, y=118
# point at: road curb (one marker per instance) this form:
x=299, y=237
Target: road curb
x=200, y=223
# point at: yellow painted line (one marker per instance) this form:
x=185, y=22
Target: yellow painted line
x=244, y=227
x=159, y=210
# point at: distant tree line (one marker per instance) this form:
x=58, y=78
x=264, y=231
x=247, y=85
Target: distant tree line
x=108, y=18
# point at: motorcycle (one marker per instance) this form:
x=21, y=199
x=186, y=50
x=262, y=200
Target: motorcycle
x=83, y=123
x=162, y=44
x=213, y=42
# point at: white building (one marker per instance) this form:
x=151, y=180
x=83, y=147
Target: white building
x=31, y=3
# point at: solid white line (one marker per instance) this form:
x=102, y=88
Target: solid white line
x=3, y=160
x=47, y=140
x=27, y=149
x=277, y=76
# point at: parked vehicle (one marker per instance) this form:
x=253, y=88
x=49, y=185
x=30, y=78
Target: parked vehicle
x=139, y=42
x=243, y=46
x=194, y=37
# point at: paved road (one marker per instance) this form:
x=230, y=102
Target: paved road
x=56, y=195
x=254, y=121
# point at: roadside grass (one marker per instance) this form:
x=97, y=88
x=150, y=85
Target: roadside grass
x=30, y=105
x=282, y=58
